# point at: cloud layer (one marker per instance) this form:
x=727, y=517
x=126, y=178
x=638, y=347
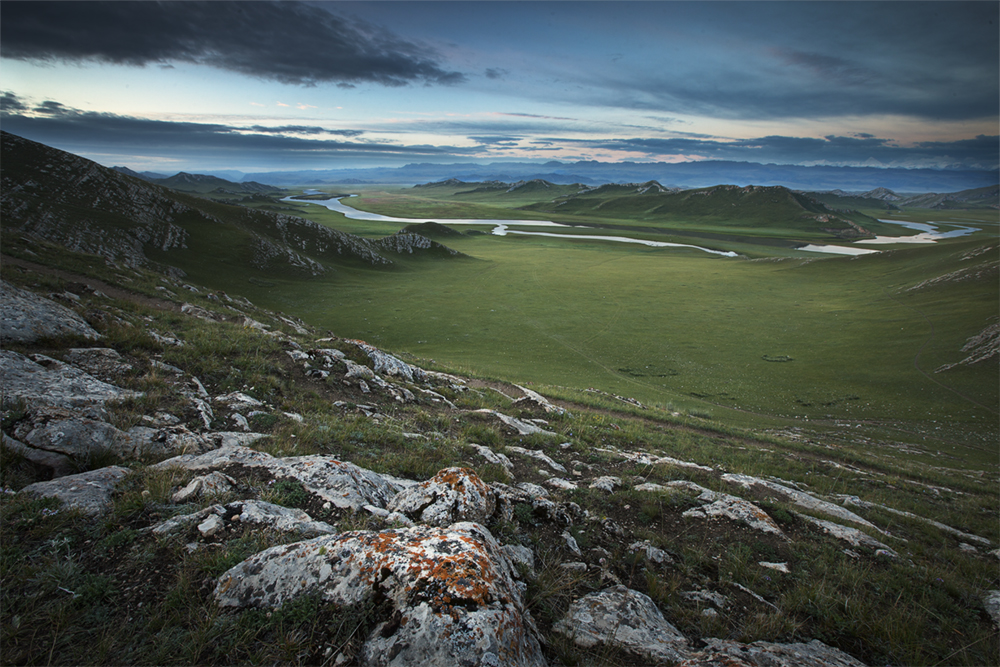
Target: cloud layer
x=293, y=43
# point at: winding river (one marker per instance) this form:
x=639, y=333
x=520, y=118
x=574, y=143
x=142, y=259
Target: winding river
x=927, y=234
x=500, y=227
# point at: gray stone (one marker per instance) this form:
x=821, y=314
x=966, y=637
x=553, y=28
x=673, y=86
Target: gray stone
x=626, y=619
x=26, y=317
x=211, y=525
x=213, y=484
x=606, y=483
x=45, y=381
x=453, y=494
x=90, y=492
x=344, y=485
x=737, y=509
x=852, y=536
x=491, y=456
x=532, y=399
x=538, y=455
x=60, y=464
x=991, y=602
x=386, y=364
x=765, y=654
x=98, y=361
x=652, y=554
x=452, y=589
x=520, y=555
x=253, y=512
x=76, y=437
x=800, y=498
x=522, y=427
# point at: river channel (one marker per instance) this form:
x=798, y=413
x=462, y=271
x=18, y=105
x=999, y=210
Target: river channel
x=500, y=227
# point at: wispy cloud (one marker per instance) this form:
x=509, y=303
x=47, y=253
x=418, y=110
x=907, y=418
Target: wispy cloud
x=290, y=42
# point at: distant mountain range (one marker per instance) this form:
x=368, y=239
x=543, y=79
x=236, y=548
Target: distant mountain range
x=683, y=175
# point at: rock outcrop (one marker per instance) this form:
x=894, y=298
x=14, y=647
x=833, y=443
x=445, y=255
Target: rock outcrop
x=452, y=590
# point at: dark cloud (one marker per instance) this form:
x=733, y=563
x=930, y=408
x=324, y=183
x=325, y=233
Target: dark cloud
x=87, y=131
x=11, y=103
x=293, y=42
x=496, y=73
x=829, y=68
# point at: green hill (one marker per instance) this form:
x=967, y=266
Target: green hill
x=68, y=200
x=754, y=207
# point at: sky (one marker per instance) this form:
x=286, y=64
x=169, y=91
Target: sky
x=267, y=86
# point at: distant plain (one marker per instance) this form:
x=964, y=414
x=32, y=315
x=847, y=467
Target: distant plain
x=775, y=339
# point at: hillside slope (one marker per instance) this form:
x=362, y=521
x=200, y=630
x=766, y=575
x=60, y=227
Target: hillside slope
x=68, y=200
x=260, y=492
x=723, y=205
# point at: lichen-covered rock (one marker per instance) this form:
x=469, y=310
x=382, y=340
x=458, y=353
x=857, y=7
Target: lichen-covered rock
x=345, y=485
x=90, y=492
x=766, y=654
x=453, y=590
x=26, y=317
x=452, y=495
x=45, y=381
x=76, y=437
x=626, y=619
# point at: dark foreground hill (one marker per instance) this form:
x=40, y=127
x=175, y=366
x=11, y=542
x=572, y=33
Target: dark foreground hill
x=52, y=195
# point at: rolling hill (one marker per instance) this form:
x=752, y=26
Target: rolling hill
x=76, y=203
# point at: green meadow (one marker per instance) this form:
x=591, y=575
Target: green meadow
x=775, y=339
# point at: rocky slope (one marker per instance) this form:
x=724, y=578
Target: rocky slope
x=207, y=459
x=65, y=199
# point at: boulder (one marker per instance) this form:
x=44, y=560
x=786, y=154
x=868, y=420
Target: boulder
x=26, y=317
x=60, y=465
x=800, y=498
x=245, y=512
x=765, y=654
x=386, y=364
x=625, y=619
x=737, y=509
x=538, y=455
x=852, y=536
x=344, y=485
x=452, y=495
x=45, y=381
x=90, y=492
x=452, y=590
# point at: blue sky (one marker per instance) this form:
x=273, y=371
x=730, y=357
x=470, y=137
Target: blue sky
x=265, y=86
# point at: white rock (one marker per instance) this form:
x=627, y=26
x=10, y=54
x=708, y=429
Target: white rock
x=211, y=525
x=25, y=317
x=625, y=619
x=538, y=455
x=560, y=483
x=991, y=602
x=780, y=567
x=852, y=536
x=571, y=543
x=606, y=483
x=453, y=494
